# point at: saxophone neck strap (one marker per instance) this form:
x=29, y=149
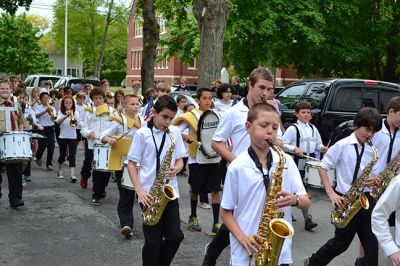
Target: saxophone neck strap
x=158, y=149
x=389, y=156
x=256, y=160
x=358, y=162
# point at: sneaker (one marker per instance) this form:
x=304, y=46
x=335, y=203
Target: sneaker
x=74, y=179
x=23, y=182
x=309, y=224
x=359, y=262
x=204, y=205
x=49, y=167
x=39, y=162
x=127, y=231
x=307, y=261
x=60, y=174
x=194, y=224
x=27, y=178
x=83, y=183
x=215, y=229
x=96, y=202
x=17, y=204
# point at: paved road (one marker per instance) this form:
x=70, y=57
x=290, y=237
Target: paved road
x=59, y=226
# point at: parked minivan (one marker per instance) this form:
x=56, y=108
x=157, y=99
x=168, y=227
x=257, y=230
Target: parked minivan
x=335, y=101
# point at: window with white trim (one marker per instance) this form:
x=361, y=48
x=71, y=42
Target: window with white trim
x=136, y=59
x=163, y=64
x=138, y=28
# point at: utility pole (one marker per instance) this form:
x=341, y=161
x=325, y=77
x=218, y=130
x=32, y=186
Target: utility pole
x=66, y=39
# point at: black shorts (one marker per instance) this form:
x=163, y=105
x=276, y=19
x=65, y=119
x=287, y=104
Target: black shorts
x=204, y=178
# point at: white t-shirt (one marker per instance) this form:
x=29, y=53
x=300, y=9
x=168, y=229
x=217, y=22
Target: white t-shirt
x=222, y=107
x=143, y=151
x=381, y=141
x=342, y=156
x=244, y=193
x=45, y=119
x=232, y=125
x=81, y=111
x=116, y=129
x=66, y=131
x=310, y=139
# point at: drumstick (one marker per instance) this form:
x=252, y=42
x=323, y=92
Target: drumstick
x=305, y=156
x=123, y=135
x=197, y=142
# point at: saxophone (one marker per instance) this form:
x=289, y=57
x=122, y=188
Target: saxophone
x=384, y=177
x=161, y=191
x=272, y=228
x=355, y=198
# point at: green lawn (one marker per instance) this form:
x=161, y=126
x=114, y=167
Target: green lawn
x=126, y=90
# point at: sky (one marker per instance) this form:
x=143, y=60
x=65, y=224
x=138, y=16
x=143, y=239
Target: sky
x=40, y=7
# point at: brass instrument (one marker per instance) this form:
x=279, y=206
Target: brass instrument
x=52, y=114
x=355, y=198
x=384, y=177
x=161, y=191
x=72, y=120
x=272, y=228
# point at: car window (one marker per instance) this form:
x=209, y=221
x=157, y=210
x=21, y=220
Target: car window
x=385, y=96
x=316, y=94
x=27, y=81
x=42, y=81
x=347, y=99
x=370, y=98
x=33, y=82
x=291, y=96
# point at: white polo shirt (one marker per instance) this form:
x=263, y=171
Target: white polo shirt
x=381, y=141
x=45, y=119
x=116, y=129
x=309, y=141
x=232, y=125
x=143, y=151
x=342, y=156
x=244, y=192
x=387, y=203
x=66, y=131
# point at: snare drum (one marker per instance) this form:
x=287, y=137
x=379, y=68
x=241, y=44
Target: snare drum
x=126, y=180
x=15, y=146
x=312, y=178
x=101, y=157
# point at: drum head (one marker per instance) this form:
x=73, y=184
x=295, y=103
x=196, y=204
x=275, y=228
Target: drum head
x=207, y=126
x=313, y=163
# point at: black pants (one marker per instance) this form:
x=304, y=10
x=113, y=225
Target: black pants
x=46, y=143
x=125, y=203
x=100, y=182
x=71, y=145
x=27, y=170
x=86, y=171
x=360, y=225
x=217, y=245
x=162, y=241
x=14, y=175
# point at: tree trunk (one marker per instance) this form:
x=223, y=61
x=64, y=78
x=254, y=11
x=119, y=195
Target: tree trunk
x=99, y=64
x=211, y=16
x=151, y=37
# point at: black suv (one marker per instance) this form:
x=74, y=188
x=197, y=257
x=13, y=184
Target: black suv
x=335, y=101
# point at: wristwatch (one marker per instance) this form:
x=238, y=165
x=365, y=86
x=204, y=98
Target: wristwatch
x=297, y=201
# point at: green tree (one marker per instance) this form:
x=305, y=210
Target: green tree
x=88, y=33
x=20, y=52
x=11, y=6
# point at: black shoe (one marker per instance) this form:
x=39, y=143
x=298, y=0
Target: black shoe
x=17, y=204
x=309, y=224
x=359, y=262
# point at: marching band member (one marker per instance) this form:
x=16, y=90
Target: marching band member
x=303, y=138
x=43, y=117
x=349, y=157
x=68, y=119
x=80, y=108
x=388, y=203
x=204, y=177
x=161, y=241
x=232, y=125
x=118, y=97
x=95, y=122
x=130, y=105
x=11, y=120
x=224, y=95
x=248, y=177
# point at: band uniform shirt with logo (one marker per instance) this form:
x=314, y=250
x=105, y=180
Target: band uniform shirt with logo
x=19, y=119
x=381, y=140
x=342, y=156
x=96, y=124
x=143, y=152
x=310, y=139
x=44, y=120
x=232, y=125
x=387, y=203
x=66, y=131
x=244, y=193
